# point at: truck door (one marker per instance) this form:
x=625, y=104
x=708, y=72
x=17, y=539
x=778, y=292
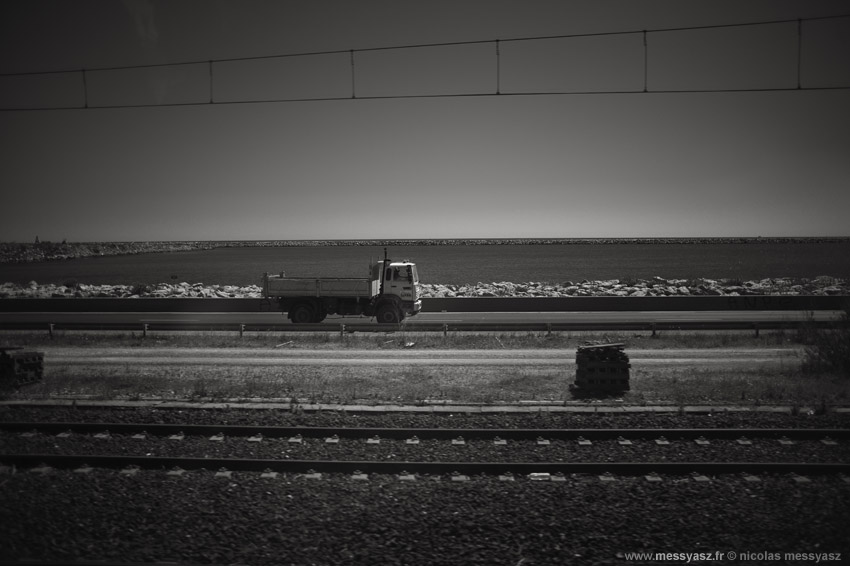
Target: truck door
x=399, y=282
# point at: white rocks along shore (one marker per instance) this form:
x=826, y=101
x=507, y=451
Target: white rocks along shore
x=656, y=287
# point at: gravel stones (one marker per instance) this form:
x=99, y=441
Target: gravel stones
x=247, y=519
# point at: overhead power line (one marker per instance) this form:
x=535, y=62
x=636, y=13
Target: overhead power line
x=420, y=45
x=498, y=91
x=422, y=96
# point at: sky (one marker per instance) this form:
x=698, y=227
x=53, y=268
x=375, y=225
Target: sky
x=356, y=142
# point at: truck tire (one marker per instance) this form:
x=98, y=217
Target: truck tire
x=387, y=314
x=301, y=313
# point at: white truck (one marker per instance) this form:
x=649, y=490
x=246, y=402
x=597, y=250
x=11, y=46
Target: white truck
x=389, y=294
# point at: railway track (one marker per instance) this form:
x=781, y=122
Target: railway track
x=411, y=452
x=156, y=429
x=313, y=469
x=144, y=492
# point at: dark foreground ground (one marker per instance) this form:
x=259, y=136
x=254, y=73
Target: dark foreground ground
x=248, y=519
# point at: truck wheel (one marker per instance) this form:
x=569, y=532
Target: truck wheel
x=387, y=314
x=301, y=314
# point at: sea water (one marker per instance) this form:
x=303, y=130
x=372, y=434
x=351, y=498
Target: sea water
x=455, y=264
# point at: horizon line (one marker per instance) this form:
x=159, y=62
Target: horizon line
x=441, y=239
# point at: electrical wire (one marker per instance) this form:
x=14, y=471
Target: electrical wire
x=421, y=45
x=498, y=90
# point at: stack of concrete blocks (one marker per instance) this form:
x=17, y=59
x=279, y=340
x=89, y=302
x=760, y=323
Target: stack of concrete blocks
x=602, y=368
x=19, y=367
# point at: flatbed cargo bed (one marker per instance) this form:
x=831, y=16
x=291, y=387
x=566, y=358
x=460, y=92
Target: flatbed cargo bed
x=277, y=286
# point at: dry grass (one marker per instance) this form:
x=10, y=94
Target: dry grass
x=750, y=385
x=418, y=384
x=319, y=384
x=421, y=340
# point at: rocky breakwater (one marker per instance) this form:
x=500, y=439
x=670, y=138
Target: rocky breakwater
x=656, y=287
x=33, y=290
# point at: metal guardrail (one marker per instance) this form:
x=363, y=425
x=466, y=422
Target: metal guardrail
x=752, y=304
x=345, y=328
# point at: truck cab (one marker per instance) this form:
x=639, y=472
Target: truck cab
x=398, y=280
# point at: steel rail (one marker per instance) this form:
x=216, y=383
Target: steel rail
x=425, y=468
x=425, y=433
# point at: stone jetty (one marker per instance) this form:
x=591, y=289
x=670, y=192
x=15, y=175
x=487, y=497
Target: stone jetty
x=656, y=287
